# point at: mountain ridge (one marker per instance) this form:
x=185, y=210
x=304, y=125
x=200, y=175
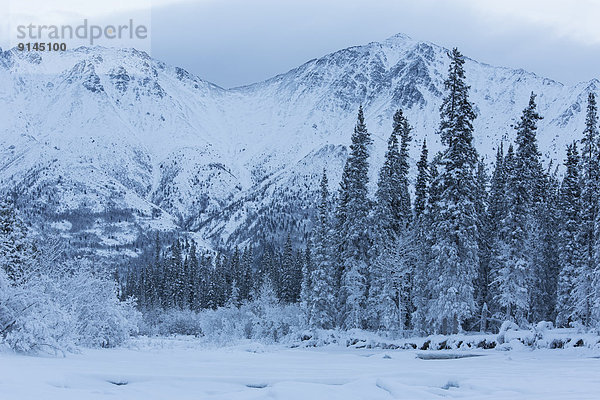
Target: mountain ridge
x=113, y=131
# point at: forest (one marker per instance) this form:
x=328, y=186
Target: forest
x=461, y=247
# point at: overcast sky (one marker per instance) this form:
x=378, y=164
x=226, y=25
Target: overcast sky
x=236, y=42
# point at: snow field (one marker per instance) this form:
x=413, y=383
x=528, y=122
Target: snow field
x=184, y=369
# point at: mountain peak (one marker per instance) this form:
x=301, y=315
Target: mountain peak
x=399, y=37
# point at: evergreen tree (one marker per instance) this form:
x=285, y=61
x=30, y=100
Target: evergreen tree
x=528, y=168
x=234, y=299
x=268, y=270
x=512, y=271
x=155, y=269
x=548, y=251
x=245, y=283
x=297, y=275
x=421, y=244
x=291, y=273
x=267, y=295
x=497, y=212
x=570, y=194
x=455, y=253
x=497, y=204
x=518, y=257
x=193, y=295
x=216, y=286
x=203, y=282
x=484, y=242
x=389, y=290
x=388, y=186
x=588, y=233
x=393, y=199
x=288, y=277
x=234, y=271
x=322, y=312
x=16, y=251
x=178, y=276
x=404, y=213
x=421, y=186
x=353, y=228
x=390, y=273
x=307, y=286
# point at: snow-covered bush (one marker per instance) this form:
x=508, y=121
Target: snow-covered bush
x=58, y=309
x=264, y=319
x=504, y=328
x=224, y=324
x=253, y=320
x=269, y=319
x=100, y=318
x=52, y=303
x=179, y=322
x=30, y=320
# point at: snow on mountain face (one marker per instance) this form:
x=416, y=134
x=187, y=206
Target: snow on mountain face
x=104, y=143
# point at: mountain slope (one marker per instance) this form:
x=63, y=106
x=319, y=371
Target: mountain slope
x=106, y=143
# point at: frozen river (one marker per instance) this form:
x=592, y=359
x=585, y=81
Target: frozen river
x=186, y=370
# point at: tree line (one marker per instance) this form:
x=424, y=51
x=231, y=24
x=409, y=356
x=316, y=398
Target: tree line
x=467, y=251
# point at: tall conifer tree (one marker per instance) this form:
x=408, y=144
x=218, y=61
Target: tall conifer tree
x=322, y=312
x=570, y=249
x=588, y=236
x=454, y=229
x=354, y=231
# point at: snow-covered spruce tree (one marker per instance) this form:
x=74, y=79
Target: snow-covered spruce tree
x=421, y=185
x=404, y=214
x=15, y=265
x=234, y=299
x=298, y=267
x=497, y=206
x=570, y=248
x=421, y=249
x=268, y=269
x=393, y=210
x=484, y=243
x=175, y=276
x=588, y=233
x=548, y=261
x=218, y=292
x=154, y=270
x=288, y=281
x=514, y=259
x=265, y=311
x=186, y=273
x=496, y=215
x=306, y=285
x=455, y=254
x=202, y=283
x=418, y=249
x=533, y=205
x=353, y=228
x=6, y=293
x=389, y=303
x=322, y=312
x=233, y=271
x=246, y=274
x=511, y=270
x=193, y=277
x=15, y=249
x=390, y=274
x=528, y=168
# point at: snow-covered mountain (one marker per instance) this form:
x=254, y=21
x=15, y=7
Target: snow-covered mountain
x=102, y=144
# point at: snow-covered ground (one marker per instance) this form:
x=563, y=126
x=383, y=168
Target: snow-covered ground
x=184, y=369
